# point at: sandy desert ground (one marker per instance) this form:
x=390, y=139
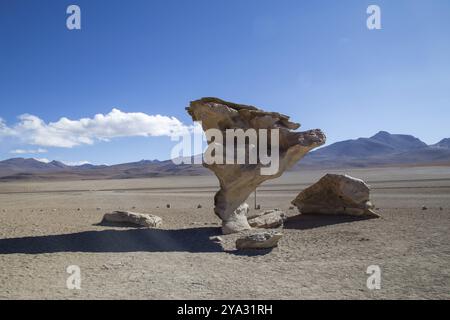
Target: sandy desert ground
x=47, y=226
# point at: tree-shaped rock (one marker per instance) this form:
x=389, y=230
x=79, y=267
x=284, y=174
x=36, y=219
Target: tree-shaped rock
x=238, y=181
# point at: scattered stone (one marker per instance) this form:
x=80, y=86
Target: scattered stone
x=216, y=239
x=168, y=206
x=336, y=194
x=199, y=206
x=291, y=208
x=98, y=209
x=268, y=219
x=133, y=207
x=79, y=209
x=440, y=208
x=238, y=181
x=139, y=219
x=265, y=240
x=424, y=208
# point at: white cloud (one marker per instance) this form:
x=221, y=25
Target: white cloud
x=66, y=133
x=28, y=151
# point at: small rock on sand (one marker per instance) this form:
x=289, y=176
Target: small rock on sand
x=264, y=240
x=216, y=239
x=268, y=219
x=139, y=219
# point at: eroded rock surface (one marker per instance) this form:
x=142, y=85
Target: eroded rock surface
x=268, y=219
x=237, y=222
x=336, y=194
x=263, y=240
x=238, y=181
x=133, y=218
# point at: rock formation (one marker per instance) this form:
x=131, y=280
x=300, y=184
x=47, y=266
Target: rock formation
x=267, y=219
x=336, y=194
x=238, y=181
x=138, y=219
x=265, y=240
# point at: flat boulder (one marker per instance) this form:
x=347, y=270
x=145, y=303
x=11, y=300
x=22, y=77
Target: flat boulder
x=133, y=218
x=264, y=240
x=336, y=194
x=268, y=219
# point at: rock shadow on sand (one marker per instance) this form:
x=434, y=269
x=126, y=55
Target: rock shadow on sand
x=306, y=221
x=194, y=240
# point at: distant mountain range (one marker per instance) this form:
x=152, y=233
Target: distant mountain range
x=383, y=149
x=18, y=169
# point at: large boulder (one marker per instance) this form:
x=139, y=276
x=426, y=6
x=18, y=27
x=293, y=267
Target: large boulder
x=264, y=240
x=336, y=194
x=133, y=218
x=238, y=181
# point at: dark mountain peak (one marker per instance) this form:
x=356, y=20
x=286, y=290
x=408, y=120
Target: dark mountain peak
x=57, y=164
x=144, y=162
x=381, y=144
x=444, y=143
x=381, y=135
x=18, y=160
x=399, y=142
x=23, y=162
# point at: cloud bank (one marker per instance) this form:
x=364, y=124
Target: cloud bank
x=28, y=151
x=66, y=133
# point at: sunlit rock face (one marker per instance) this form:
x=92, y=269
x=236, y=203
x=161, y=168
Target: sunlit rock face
x=336, y=194
x=238, y=181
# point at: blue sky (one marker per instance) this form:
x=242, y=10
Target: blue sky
x=313, y=60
